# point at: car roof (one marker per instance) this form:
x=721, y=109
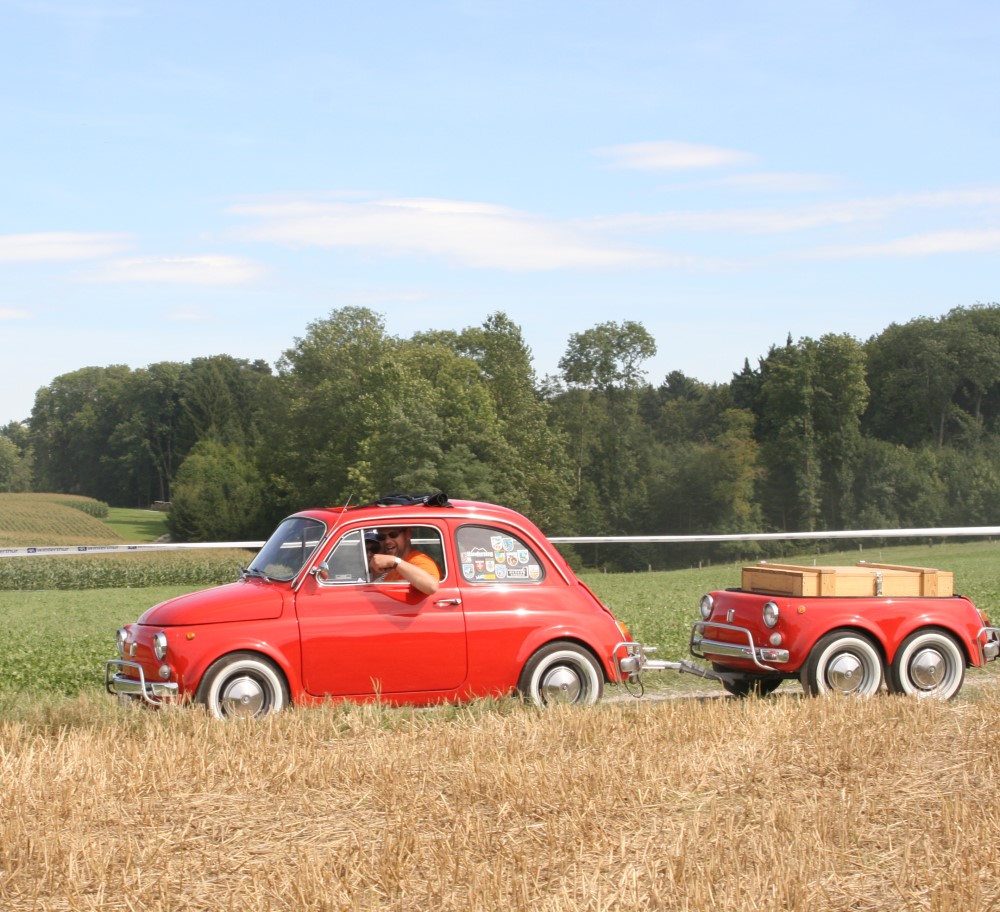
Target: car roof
x=376, y=514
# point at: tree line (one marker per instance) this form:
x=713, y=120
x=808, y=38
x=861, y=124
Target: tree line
x=822, y=434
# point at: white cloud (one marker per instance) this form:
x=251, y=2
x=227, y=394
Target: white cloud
x=671, y=156
x=11, y=313
x=473, y=234
x=55, y=246
x=776, y=182
x=775, y=220
x=177, y=270
x=927, y=244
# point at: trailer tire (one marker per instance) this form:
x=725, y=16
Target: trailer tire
x=929, y=663
x=842, y=662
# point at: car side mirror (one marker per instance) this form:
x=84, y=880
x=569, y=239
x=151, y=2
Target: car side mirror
x=321, y=570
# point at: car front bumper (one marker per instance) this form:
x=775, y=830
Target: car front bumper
x=117, y=682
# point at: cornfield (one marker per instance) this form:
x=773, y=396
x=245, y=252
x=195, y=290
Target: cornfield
x=711, y=803
x=130, y=570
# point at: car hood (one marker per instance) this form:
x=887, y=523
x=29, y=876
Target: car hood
x=246, y=600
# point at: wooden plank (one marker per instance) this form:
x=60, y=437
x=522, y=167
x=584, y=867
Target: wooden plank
x=863, y=579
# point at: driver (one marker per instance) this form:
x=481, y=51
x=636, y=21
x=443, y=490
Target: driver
x=403, y=563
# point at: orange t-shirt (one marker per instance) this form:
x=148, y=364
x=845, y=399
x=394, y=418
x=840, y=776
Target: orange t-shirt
x=418, y=559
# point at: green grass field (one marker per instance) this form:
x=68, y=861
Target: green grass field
x=57, y=641
x=58, y=615
x=137, y=525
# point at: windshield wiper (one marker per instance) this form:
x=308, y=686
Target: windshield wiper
x=254, y=572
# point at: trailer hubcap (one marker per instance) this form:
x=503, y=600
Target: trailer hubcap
x=846, y=673
x=927, y=669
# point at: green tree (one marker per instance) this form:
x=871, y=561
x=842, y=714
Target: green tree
x=216, y=496
x=339, y=379
x=811, y=399
x=612, y=448
x=71, y=423
x=15, y=458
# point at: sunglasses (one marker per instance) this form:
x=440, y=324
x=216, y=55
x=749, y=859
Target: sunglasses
x=395, y=534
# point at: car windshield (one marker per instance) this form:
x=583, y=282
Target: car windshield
x=288, y=548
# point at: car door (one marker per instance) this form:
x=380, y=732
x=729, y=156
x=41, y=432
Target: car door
x=361, y=637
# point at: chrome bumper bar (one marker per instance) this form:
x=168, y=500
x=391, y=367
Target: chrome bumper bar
x=989, y=650
x=154, y=692
x=759, y=655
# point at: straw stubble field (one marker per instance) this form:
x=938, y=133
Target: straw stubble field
x=784, y=803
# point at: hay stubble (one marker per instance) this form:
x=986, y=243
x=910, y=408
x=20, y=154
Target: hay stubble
x=783, y=803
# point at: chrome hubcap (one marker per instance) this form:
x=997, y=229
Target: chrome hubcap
x=242, y=697
x=927, y=669
x=846, y=673
x=560, y=685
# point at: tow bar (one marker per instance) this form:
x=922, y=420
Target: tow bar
x=636, y=660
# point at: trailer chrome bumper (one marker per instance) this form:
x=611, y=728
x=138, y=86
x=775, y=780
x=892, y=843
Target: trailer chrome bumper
x=760, y=655
x=156, y=693
x=989, y=648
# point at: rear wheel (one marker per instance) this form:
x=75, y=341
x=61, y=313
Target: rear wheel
x=243, y=685
x=843, y=662
x=561, y=672
x=929, y=663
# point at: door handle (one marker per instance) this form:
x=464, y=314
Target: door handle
x=444, y=603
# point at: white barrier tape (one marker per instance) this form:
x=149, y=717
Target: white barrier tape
x=975, y=531
x=63, y=550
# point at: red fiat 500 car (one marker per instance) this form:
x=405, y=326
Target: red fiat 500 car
x=310, y=619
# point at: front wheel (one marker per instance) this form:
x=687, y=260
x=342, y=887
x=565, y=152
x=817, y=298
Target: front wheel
x=561, y=672
x=242, y=685
x=929, y=664
x=845, y=663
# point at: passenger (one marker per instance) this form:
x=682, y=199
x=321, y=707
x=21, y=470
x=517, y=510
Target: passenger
x=373, y=546
x=402, y=563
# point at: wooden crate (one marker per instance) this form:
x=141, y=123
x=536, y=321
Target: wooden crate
x=862, y=579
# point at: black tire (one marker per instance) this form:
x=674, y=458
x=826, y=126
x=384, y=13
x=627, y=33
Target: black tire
x=843, y=662
x=929, y=663
x=243, y=685
x=561, y=672
x=752, y=685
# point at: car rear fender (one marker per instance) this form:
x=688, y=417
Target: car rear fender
x=540, y=638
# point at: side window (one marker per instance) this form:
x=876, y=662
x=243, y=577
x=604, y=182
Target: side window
x=347, y=562
x=494, y=556
x=425, y=539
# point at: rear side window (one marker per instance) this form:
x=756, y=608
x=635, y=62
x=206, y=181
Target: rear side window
x=489, y=555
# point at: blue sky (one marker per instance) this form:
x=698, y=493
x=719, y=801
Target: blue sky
x=193, y=178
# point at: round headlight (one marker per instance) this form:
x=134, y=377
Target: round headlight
x=121, y=639
x=770, y=614
x=160, y=645
x=707, y=603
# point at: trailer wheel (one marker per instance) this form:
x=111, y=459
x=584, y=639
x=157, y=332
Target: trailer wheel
x=751, y=685
x=929, y=664
x=242, y=685
x=561, y=672
x=842, y=662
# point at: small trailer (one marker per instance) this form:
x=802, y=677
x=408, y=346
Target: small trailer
x=843, y=630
